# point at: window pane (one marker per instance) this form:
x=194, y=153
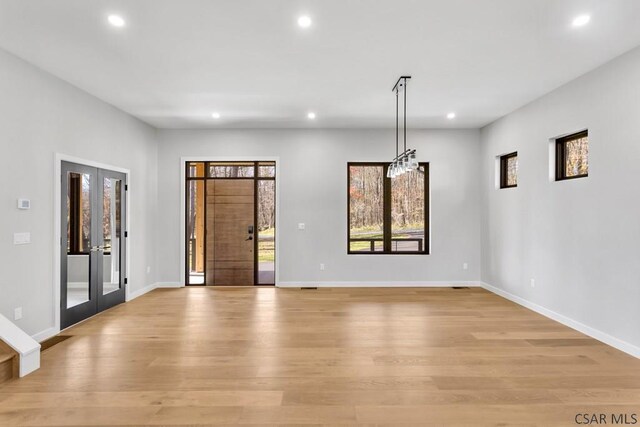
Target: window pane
x=367, y=243
x=366, y=213
x=266, y=232
x=112, y=197
x=79, y=216
x=407, y=212
x=195, y=169
x=231, y=170
x=512, y=171
x=195, y=232
x=267, y=170
x=577, y=157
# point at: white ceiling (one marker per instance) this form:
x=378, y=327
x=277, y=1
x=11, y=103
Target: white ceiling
x=176, y=61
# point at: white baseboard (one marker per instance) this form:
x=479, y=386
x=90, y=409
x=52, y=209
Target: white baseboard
x=46, y=334
x=138, y=293
x=149, y=288
x=361, y=284
x=169, y=285
x=573, y=324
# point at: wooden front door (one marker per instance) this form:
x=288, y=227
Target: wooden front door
x=230, y=232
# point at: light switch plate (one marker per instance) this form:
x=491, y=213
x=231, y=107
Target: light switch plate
x=301, y=226
x=17, y=313
x=21, y=238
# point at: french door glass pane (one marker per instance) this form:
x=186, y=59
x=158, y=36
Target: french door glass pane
x=266, y=231
x=78, y=238
x=195, y=232
x=407, y=212
x=112, y=195
x=366, y=208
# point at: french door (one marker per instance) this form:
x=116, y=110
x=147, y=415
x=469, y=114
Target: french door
x=93, y=249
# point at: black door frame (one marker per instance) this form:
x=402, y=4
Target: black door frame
x=97, y=301
x=256, y=178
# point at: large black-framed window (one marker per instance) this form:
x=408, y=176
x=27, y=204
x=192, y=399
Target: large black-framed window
x=509, y=170
x=572, y=156
x=387, y=216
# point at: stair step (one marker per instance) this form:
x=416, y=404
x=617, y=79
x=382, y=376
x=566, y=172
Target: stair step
x=7, y=368
x=6, y=356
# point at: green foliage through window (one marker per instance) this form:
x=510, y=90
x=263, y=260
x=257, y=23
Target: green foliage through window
x=387, y=215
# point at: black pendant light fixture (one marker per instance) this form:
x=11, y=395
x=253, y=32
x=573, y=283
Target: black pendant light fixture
x=405, y=161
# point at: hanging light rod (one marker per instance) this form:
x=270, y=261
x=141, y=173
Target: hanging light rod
x=408, y=152
x=405, y=161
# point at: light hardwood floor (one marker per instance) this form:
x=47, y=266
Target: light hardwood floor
x=200, y=356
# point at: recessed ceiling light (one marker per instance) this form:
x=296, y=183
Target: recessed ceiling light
x=215, y=115
x=451, y=116
x=304, y=21
x=581, y=20
x=116, y=20
x=311, y=116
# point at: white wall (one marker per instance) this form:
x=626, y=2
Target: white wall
x=39, y=116
x=313, y=174
x=579, y=239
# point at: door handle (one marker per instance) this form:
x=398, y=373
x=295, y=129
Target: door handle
x=248, y=238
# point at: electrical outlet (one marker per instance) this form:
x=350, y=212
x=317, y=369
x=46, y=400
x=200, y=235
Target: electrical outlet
x=465, y=266
x=533, y=283
x=17, y=313
x=148, y=269
x=322, y=267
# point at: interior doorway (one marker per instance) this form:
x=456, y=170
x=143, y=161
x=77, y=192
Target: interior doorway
x=92, y=245
x=230, y=223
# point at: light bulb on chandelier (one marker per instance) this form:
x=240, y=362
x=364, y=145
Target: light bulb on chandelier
x=413, y=162
x=405, y=161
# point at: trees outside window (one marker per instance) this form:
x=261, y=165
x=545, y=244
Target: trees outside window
x=572, y=156
x=387, y=216
x=509, y=170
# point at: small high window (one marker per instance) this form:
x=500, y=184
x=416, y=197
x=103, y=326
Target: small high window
x=572, y=156
x=509, y=170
